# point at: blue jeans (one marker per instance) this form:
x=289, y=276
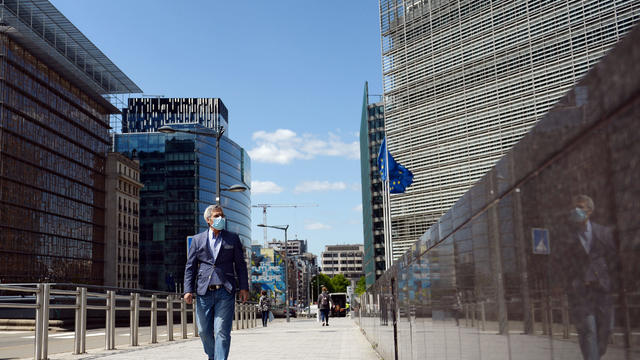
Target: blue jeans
x=214, y=315
x=265, y=317
x=324, y=315
x=594, y=321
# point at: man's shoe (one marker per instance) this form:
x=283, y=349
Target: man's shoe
x=322, y=324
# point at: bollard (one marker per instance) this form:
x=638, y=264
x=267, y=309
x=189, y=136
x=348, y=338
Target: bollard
x=473, y=315
x=169, y=317
x=466, y=315
x=533, y=317
x=110, y=336
x=107, y=322
x=154, y=319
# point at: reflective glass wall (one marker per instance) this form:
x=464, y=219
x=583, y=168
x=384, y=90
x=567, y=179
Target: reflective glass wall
x=53, y=140
x=179, y=173
x=540, y=258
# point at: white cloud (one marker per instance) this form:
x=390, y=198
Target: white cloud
x=283, y=146
x=357, y=207
x=317, y=226
x=310, y=186
x=265, y=187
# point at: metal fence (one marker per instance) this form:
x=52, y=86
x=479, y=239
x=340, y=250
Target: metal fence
x=104, y=299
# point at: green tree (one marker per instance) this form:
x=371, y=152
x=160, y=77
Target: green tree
x=340, y=283
x=324, y=280
x=361, y=286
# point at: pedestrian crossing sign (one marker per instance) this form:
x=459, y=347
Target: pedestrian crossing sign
x=189, y=240
x=540, y=237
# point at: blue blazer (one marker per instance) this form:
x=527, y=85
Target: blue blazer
x=229, y=265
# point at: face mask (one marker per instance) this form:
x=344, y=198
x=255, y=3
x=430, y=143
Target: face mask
x=218, y=223
x=577, y=215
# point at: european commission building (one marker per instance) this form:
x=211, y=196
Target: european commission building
x=464, y=80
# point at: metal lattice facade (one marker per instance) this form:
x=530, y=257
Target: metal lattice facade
x=464, y=80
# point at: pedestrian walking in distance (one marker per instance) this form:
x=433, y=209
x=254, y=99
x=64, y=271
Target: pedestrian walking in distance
x=263, y=306
x=215, y=265
x=324, y=304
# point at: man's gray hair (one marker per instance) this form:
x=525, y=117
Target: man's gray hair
x=209, y=211
x=584, y=199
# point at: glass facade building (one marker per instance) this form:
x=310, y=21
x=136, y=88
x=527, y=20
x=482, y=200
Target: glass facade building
x=540, y=258
x=53, y=144
x=179, y=173
x=371, y=136
x=465, y=80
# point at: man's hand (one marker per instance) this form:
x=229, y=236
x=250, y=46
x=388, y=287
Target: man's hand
x=188, y=298
x=244, y=295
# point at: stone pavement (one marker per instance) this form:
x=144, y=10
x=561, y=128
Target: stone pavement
x=300, y=339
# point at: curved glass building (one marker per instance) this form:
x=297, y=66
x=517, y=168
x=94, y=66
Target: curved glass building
x=179, y=176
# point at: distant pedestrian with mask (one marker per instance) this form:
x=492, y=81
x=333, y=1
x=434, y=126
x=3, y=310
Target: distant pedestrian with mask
x=263, y=305
x=324, y=304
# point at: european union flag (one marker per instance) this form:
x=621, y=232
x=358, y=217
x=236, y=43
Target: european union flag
x=399, y=176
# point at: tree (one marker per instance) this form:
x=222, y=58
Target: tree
x=324, y=280
x=361, y=286
x=340, y=283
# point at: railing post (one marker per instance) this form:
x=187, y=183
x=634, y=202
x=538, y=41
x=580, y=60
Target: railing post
x=110, y=321
x=483, y=315
x=183, y=318
x=132, y=299
x=533, y=316
x=76, y=323
x=45, y=320
x=466, y=315
x=83, y=320
x=236, y=316
x=195, y=322
x=253, y=315
x=545, y=317
x=170, y=317
x=242, y=316
x=136, y=318
x=565, y=317
x=154, y=319
x=38, y=339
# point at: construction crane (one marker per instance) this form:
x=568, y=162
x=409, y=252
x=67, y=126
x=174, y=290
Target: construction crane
x=264, y=213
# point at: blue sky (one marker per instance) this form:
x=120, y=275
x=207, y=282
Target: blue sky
x=292, y=75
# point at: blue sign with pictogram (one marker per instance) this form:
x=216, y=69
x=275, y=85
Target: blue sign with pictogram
x=189, y=240
x=540, y=241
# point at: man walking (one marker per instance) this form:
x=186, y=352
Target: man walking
x=214, y=264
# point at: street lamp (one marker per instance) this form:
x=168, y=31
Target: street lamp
x=286, y=266
x=218, y=134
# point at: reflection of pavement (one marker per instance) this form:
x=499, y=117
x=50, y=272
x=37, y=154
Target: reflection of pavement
x=300, y=339
x=445, y=340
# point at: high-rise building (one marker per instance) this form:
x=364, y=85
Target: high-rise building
x=53, y=145
x=345, y=260
x=179, y=176
x=371, y=136
x=464, y=80
x=122, y=211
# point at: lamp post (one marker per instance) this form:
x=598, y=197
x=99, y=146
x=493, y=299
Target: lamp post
x=218, y=134
x=286, y=266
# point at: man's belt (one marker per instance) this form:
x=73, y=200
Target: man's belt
x=215, y=287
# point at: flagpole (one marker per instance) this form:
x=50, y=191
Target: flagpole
x=388, y=248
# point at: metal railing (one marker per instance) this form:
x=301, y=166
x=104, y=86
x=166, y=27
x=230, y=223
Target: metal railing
x=105, y=299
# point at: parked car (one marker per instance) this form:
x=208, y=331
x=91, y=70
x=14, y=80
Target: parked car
x=278, y=311
x=313, y=311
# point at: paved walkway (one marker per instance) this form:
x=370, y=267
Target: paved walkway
x=300, y=339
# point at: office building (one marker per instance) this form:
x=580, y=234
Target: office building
x=371, y=136
x=179, y=176
x=295, y=247
x=464, y=80
x=122, y=221
x=53, y=145
x=343, y=259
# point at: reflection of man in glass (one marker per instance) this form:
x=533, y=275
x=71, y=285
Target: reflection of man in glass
x=588, y=256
